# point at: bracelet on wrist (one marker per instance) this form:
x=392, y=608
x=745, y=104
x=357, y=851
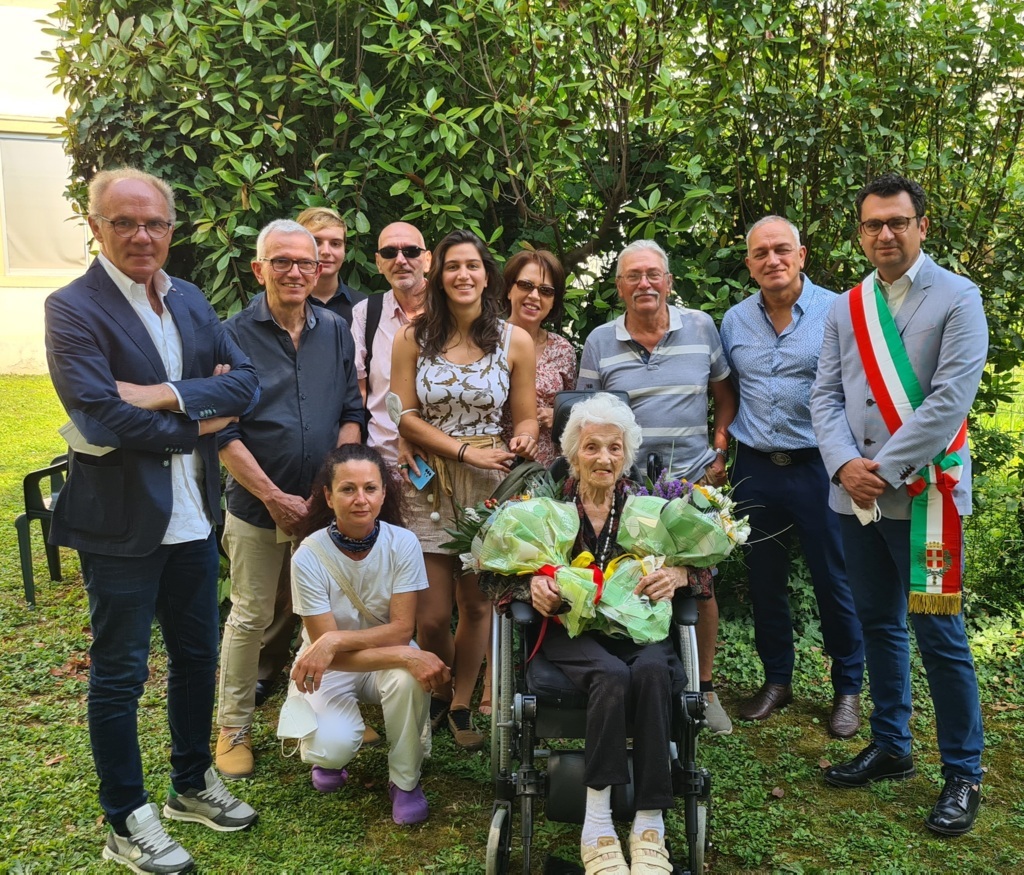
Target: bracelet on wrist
x=462, y=452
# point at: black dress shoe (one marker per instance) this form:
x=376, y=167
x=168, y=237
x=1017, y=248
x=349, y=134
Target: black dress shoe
x=264, y=690
x=844, y=721
x=765, y=700
x=956, y=809
x=870, y=765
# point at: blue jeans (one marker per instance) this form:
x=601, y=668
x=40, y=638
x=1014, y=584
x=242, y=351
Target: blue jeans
x=177, y=585
x=878, y=562
x=779, y=501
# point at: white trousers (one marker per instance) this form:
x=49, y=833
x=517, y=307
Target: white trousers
x=339, y=732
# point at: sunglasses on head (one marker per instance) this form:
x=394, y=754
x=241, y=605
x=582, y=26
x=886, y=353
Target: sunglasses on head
x=527, y=286
x=409, y=252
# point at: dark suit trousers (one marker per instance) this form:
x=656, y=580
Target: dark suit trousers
x=623, y=681
x=781, y=501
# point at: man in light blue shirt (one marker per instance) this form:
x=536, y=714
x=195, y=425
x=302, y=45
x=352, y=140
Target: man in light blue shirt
x=772, y=341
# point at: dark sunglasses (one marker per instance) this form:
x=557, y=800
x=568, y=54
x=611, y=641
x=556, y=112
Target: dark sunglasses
x=527, y=286
x=409, y=252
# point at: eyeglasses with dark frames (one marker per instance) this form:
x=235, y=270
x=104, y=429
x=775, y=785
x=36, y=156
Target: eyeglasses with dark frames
x=527, y=286
x=155, y=228
x=284, y=265
x=409, y=252
x=897, y=224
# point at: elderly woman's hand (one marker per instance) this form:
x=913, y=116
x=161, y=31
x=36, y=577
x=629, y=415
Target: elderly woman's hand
x=662, y=584
x=545, y=595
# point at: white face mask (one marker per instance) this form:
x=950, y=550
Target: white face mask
x=297, y=721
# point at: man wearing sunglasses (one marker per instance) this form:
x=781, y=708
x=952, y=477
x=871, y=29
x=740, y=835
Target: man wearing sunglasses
x=403, y=259
x=309, y=405
x=901, y=361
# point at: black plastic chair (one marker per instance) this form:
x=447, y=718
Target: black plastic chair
x=39, y=506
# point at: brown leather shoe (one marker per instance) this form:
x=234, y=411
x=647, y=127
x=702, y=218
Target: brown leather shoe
x=765, y=700
x=844, y=721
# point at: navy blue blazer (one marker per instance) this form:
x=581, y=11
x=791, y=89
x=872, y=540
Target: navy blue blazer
x=119, y=504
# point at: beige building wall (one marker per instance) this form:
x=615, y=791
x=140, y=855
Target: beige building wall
x=42, y=244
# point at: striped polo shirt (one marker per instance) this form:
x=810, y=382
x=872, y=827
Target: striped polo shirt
x=668, y=392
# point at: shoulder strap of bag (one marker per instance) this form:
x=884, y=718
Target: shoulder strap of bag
x=374, y=309
x=331, y=563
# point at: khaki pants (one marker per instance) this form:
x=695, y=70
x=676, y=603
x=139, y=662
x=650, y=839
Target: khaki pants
x=259, y=565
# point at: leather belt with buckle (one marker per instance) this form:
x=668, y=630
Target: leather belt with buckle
x=784, y=458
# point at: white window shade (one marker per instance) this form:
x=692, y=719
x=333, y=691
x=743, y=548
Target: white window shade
x=41, y=233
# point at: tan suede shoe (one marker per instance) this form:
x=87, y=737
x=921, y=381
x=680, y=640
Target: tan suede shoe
x=234, y=754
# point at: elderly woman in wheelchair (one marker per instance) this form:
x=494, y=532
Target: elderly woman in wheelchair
x=624, y=681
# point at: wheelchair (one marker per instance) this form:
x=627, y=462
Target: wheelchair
x=532, y=701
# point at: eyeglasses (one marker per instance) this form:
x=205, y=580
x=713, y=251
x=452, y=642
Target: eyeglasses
x=410, y=252
x=653, y=276
x=527, y=286
x=897, y=224
x=156, y=228
x=284, y=265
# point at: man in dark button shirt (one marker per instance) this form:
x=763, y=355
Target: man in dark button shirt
x=310, y=403
x=331, y=235
x=772, y=340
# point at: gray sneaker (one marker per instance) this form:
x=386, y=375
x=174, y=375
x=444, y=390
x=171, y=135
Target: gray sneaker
x=717, y=720
x=148, y=848
x=214, y=807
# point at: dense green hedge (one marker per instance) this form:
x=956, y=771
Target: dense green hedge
x=570, y=125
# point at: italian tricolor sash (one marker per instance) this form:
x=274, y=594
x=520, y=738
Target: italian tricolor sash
x=936, y=535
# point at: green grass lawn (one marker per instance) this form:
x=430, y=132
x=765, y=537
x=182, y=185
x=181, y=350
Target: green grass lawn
x=771, y=812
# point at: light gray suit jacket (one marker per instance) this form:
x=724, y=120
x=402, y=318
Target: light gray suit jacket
x=944, y=331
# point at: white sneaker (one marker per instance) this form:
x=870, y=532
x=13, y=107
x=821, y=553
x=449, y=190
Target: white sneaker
x=148, y=848
x=214, y=807
x=717, y=720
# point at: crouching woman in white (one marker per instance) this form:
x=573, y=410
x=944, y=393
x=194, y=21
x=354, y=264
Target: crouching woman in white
x=354, y=583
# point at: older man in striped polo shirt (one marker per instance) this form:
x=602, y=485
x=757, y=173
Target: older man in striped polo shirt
x=667, y=358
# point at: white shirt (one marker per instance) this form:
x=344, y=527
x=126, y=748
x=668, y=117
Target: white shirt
x=895, y=293
x=189, y=518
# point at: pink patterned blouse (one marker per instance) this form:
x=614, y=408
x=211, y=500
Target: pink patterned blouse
x=556, y=372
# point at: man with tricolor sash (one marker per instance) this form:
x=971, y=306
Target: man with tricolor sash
x=901, y=361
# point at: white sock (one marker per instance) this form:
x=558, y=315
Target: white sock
x=651, y=818
x=597, y=821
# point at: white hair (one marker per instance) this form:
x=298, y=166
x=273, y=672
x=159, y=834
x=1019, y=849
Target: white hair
x=601, y=409
x=641, y=246
x=283, y=226
x=767, y=220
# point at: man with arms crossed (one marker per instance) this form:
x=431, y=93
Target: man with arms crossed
x=148, y=376
x=667, y=358
x=309, y=405
x=771, y=341
x=900, y=365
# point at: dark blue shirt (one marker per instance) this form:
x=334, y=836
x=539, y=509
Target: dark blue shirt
x=307, y=395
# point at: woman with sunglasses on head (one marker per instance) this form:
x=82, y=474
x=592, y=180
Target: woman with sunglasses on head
x=535, y=287
x=453, y=371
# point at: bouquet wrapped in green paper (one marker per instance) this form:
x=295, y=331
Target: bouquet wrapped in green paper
x=522, y=536
x=627, y=614
x=698, y=529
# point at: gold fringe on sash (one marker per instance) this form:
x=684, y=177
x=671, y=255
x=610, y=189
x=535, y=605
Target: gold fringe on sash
x=935, y=603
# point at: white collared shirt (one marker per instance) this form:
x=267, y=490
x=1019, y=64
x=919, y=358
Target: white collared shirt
x=895, y=293
x=189, y=520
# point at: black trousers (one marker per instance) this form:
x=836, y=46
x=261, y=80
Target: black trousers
x=623, y=681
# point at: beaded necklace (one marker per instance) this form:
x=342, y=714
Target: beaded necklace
x=608, y=534
x=353, y=545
